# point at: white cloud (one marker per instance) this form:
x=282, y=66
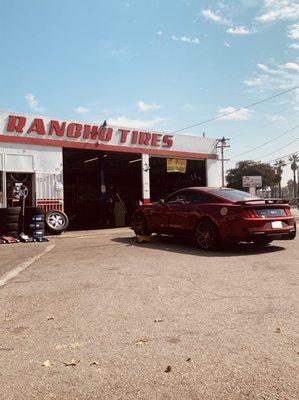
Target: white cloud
x=276, y=118
x=234, y=113
x=160, y=33
x=148, y=107
x=254, y=82
x=239, y=30
x=277, y=77
x=294, y=32
x=123, y=121
x=226, y=44
x=268, y=70
x=208, y=14
x=291, y=65
x=33, y=103
x=218, y=19
x=81, y=110
x=186, y=39
x=294, y=46
x=275, y=10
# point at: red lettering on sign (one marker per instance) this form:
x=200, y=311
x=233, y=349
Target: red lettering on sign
x=123, y=135
x=167, y=141
x=134, y=138
x=37, y=126
x=16, y=124
x=105, y=134
x=145, y=138
x=56, y=128
x=156, y=139
x=91, y=132
x=74, y=130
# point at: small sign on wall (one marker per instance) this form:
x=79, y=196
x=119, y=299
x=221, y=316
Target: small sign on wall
x=176, y=165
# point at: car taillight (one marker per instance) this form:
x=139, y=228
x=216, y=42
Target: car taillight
x=288, y=212
x=249, y=213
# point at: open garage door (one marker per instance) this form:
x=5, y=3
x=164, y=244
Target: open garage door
x=169, y=175
x=101, y=189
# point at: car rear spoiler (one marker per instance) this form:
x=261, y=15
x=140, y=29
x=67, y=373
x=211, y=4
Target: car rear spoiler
x=267, y=201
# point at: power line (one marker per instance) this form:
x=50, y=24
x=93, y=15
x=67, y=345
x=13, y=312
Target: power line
x=265, y=143
x=267, y=123
x=283, y=147
x=236, y=110
x=278, y=158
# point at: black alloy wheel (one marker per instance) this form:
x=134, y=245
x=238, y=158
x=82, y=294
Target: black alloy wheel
x=206, y=235
x=139, y=225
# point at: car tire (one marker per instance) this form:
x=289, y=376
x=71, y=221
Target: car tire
x=139, y=225
x=56, y=222
x=293, y=235
x=9, y=219
x=4, y=212
x=262, y=241
x=207, y=235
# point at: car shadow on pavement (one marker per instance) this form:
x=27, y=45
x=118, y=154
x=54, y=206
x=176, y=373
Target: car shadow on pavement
x=187, y=246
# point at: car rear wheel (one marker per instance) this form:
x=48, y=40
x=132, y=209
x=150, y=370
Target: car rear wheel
x=140, y=225
x=262, y=241
x=206, y=235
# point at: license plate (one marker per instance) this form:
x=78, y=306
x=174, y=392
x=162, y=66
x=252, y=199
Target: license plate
x=276, y=224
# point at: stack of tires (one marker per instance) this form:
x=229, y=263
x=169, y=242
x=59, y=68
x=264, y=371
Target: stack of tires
x=34, y=222
x=10, y=221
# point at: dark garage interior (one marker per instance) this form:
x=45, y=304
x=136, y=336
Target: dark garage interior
x=101, y=189
x=163, y=182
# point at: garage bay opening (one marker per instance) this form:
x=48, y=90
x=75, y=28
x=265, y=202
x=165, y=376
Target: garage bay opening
x=170, y=174
x=101, y=189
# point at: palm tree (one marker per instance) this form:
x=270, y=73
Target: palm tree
x=294, y=159
x=279, y=164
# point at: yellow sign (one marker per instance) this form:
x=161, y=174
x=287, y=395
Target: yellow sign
x=176, y=165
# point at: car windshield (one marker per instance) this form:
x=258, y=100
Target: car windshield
x=233, y=194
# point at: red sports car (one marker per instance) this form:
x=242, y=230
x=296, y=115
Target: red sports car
x=217, y=215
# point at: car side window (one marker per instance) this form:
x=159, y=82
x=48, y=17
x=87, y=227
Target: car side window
x=178, y=198
x=189, y=197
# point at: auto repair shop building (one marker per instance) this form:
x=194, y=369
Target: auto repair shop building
x=98, y=174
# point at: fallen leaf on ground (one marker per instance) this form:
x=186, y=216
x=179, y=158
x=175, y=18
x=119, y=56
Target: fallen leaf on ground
x=75, y=345
x=48, y=364
x=168, y=369
x=94, y=363
x=49, y=318
x=141, y=341
x=278, y=330
x=159, y=320
x=72, y=362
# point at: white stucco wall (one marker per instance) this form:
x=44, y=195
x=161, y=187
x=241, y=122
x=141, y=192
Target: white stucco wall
x=213, y=171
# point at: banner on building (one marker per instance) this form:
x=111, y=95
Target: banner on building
x=176, y=165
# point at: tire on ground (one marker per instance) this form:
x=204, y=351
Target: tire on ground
x=51, y=222
x=9, y=211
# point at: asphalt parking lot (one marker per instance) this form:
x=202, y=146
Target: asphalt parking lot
x=161, y=320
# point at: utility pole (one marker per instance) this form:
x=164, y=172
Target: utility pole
x=222, y=144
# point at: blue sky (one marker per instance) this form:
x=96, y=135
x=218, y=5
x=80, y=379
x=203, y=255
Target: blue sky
x=157, y=64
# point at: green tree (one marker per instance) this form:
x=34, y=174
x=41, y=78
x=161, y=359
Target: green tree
x=294, y=159
x=279, y=164
x=243, y=168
